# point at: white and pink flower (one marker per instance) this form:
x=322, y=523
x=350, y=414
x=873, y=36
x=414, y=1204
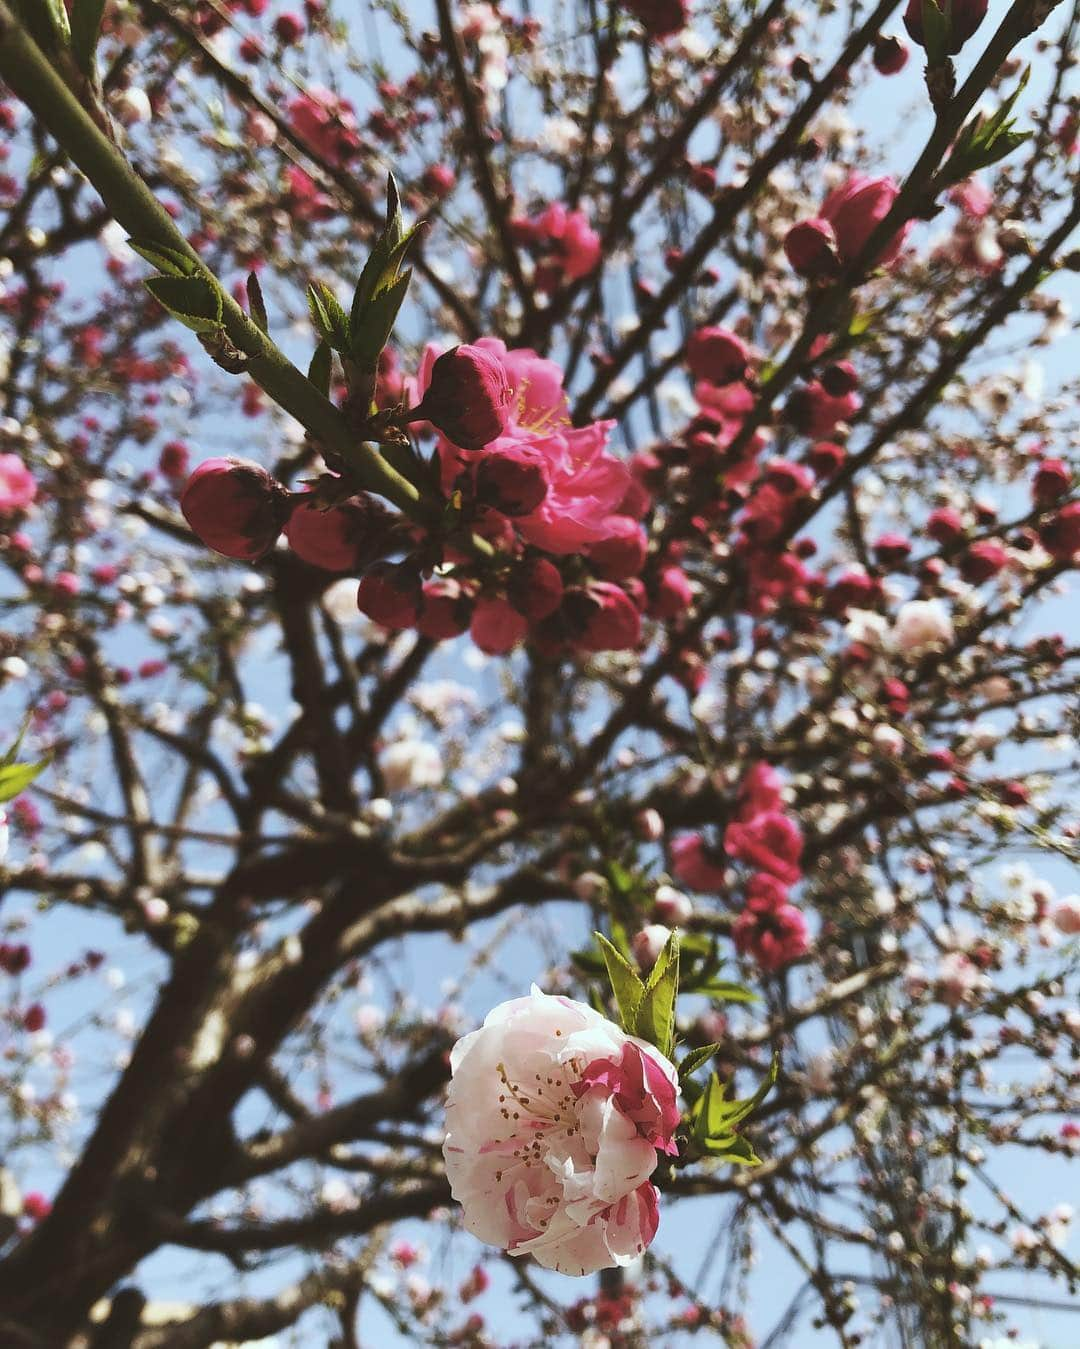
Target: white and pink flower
x=554, y=1118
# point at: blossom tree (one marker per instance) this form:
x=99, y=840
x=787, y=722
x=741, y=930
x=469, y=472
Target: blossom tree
x=540, y=686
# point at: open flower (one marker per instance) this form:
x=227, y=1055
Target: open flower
x=554, y=1117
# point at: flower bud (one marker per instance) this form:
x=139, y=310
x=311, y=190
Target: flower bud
x=671, y=906
x=649, y=825
x=390, y=594
x=659, y=18
x=445, y=609
x=601, y=617
x=235, y=507
x=982, y=561
x=717, y=355
x=890, y=54
x=513, y=481
x=855, y=209
x=468, y=398
x=811, y=249
x=964, y=17
x=1052, y=480
x=945, y=525
x=497, y=626
x=535, y=588
x=648, y=943
x=839, y=378
x=344, y=538
x=1060, y=536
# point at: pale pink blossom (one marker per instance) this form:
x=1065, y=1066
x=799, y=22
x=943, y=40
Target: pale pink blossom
x=554, y=1116
x=922, y=626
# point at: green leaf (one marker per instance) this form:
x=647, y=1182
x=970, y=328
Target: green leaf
x=588, y=963
x=193, y=301
x=381, y=270
x=85, y=27
x=378, y=324
x=321, y=368
x=625, y=982
x=719, y=1116
x=168, y=261
x=656, y=1016
x=620, y=879
x=723, y=991
x=985, y=140
x=16, y=777
x=733, y=1149
x=256, y=304
x=861, y=323
x=330, y=320
x=697, y=1057
x=13, y=752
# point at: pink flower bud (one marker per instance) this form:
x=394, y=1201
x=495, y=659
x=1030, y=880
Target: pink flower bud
x=288, y=29
x=892, y=549
x=497, y=626
x=982, y=561
x=1052, y=481
x=535, y=588
x=14, y=958
x=1066, y=915
x=890, y=54
x=839, y=378
x=649, y=825
x=469, y=397
x=1060, y=536
x=623, y=553
x=390, y=594
x=513, y=480
x=717, y=355
x=235, y=507
x=35, y=1206
x=445, y=609
x=811, y=249
x=648, y=943
x=345, y=538
x=438, y=180
x=671, y=594
x=945, y=525
x=174, y=459
x=826, y=457
x=34, y=1017
x=965, y=18
x=602, y=617
x=855, y=209
x=659, y=18
x=671, y=906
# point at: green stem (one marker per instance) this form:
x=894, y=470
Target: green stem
x=33, y=77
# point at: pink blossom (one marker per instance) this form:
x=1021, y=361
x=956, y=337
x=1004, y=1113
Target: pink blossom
x=770, y=842
x=17, y=485
x=695, y=865
x=327, y=123
x=761, y=790
x=586, y=484
x=772, y=933
x=554, y=1116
